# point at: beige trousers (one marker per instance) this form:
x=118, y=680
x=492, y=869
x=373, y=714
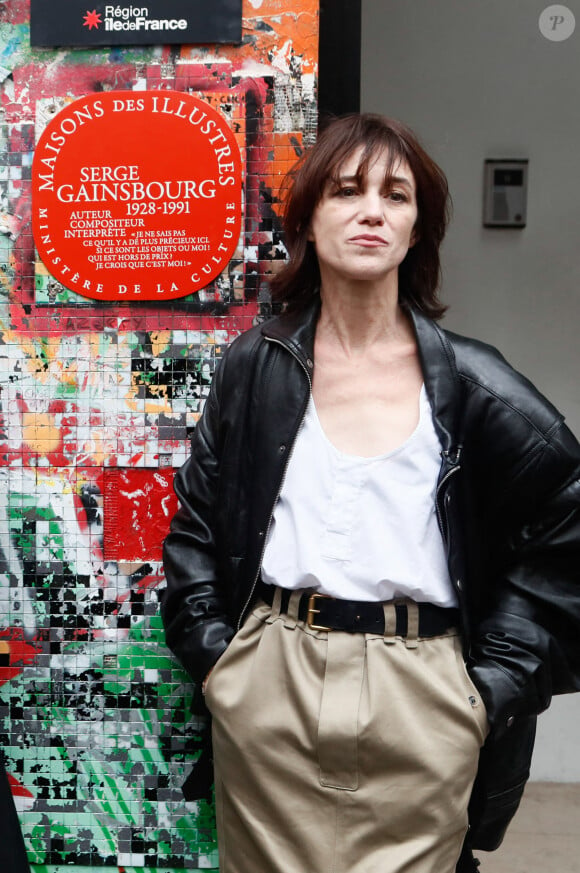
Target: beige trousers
x=341, y=753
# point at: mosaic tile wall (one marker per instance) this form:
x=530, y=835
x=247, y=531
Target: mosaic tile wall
x=97, y=403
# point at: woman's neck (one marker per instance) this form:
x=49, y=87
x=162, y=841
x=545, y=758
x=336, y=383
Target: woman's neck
x=360, y=317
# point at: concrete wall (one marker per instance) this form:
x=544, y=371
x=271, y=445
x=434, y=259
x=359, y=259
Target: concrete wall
x=476, y=81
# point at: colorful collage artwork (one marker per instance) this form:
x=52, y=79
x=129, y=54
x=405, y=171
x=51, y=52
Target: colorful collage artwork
x=97, y=405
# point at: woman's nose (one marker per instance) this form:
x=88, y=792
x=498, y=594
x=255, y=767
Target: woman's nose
x=373, y=207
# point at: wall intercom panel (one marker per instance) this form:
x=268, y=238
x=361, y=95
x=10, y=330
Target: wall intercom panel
x=505, y=193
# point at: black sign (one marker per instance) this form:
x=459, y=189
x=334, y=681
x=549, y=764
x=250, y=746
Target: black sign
x=153, y=22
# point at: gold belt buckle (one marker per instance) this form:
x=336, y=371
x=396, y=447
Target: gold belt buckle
x=312, y=611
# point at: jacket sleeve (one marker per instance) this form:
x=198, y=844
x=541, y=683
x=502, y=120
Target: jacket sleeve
x=194, y=606
x=527, y=646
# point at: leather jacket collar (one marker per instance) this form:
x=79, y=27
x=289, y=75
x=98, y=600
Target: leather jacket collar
x=296, y=331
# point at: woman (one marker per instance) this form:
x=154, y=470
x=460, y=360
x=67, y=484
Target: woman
x=372, y=506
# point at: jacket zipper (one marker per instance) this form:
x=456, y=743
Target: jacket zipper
x=288, y=456
x=444, y=528
x=455, y=469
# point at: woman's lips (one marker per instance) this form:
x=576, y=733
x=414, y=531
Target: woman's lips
x=369, y=239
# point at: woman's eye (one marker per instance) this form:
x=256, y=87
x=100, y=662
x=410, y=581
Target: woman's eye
x=347, y=192
x=397, y=196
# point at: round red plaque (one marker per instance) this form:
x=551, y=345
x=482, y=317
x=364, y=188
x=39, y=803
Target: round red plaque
x=137, y=195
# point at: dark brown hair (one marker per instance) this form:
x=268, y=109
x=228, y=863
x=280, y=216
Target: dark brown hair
x=419, y=274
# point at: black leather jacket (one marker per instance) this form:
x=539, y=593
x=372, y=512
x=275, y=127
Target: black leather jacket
x=508, y=504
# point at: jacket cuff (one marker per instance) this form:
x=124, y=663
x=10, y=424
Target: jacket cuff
x=200, y=648
x=500, y=693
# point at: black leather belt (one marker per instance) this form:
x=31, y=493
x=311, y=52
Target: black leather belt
x=321, y=612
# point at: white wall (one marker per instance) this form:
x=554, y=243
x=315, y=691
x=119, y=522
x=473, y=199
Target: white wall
x=476, y=79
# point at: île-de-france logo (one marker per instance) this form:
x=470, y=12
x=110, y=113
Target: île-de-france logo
x=92, y=19
x=130, y=18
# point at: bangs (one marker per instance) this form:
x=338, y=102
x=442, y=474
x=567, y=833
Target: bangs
x=370, y=151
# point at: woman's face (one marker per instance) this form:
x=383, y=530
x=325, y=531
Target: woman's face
x=363, y=232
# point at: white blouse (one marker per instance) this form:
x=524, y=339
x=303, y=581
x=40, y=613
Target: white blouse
x=360, y=528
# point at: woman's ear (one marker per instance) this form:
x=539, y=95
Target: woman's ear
x=415, y=237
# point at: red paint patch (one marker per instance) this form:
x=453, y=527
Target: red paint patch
x=139, y=505
x=15, y=652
